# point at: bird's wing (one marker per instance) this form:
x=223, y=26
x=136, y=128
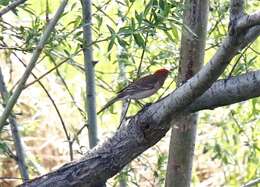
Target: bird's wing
x=145, y=83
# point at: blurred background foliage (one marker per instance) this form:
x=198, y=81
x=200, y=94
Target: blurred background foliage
x=131, y=39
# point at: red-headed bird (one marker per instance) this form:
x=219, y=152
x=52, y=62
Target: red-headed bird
x=141, y=88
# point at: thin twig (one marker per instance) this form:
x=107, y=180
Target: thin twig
x=109, y=87
x=52, y=101
x=166, y=89
x=69, y=92
x=78, y=133
x=102, y=6
x=142, y=56
x=15, y=84
x=216, y=25
x=252, y=183
x=258, y=53
x=99, y=9
x=240, y=56
x=46, y=73
x=143, y=51
x=14, y=48
x=11, y=178
x=13, y=99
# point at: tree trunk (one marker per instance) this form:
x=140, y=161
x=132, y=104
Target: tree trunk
x=183, y=134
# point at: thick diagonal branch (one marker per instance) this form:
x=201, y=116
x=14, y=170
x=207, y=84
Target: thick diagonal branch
x=107, y=159
x=147, y=127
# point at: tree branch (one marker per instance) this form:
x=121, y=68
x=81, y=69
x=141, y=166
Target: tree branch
x=130, y=141
x=249, y=21
x=252, y=183
x=11, y=7
x=226, y=92
x=89, y=73
x=146, y=128
x=236, y=12
x=20, y=156
x=236, y=8
x=36, y=53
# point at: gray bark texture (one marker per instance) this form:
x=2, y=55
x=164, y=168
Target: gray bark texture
x=150, y=124
x=183, y=135
x=106, y=159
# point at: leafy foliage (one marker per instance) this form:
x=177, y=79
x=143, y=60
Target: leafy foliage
x=133, y=37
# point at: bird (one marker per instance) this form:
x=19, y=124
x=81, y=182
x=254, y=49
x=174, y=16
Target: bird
x=140, y=88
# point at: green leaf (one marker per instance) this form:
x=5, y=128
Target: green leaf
x=4, y=2
x=132, y=23
x=125, y=31
x=77, y=34
x=67, y=52
x=139, y=17
x=175, y=33
x=148, y=7
x=111, y=44
x=111, y=30
x=122, y=42
x=73, y=6
x=3, y=147
x=169, y=36
x=99, y=20
x=162, y=4
x=139, y=40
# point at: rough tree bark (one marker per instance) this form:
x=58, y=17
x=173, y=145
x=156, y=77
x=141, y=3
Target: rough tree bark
x=149, y=125
x=226, y=92
x=102, y=162
x=183, y=135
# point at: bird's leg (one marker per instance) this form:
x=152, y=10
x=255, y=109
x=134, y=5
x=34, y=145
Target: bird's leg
x=124, y=112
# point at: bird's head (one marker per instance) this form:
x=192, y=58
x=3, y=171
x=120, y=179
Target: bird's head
x=162, y=72
x=161, y=75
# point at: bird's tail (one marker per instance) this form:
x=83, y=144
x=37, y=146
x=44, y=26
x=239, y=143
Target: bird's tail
x=112, y=101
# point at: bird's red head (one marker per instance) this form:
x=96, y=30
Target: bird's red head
x=162, y=72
